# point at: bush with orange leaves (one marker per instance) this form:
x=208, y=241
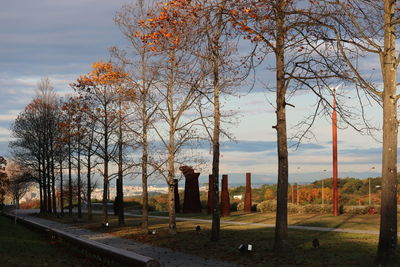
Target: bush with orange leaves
x=31, y=204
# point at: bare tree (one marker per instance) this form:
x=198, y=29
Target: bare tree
x=3, y=180
x=142, y=75
x=100, y=89
x=89, y=152
x=35, y=131
x=217, y=49
x=180, y=80
x=368, y=29
x=20, y=181
x=282, y=28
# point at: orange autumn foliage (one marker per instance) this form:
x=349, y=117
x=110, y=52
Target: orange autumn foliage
x=103, y=73
x=309, y=195
x=166, y=28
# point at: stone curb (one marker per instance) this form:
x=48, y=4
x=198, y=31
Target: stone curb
x=119, y=255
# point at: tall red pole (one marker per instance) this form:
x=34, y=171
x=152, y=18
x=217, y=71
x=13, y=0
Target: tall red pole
x=335, y=162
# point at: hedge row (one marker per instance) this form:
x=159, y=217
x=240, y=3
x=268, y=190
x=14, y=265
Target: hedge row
x=270, y=205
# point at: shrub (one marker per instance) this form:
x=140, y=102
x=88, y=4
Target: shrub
x=293, y=208
x=254, y=207
x=32, y=204
x=240, y=206
x=268, y=205
x=161, y=207
x=151, y=208
x=358, y=210
x=312, y=208
x=234, y=206
x=133, y=204
x=204, y=204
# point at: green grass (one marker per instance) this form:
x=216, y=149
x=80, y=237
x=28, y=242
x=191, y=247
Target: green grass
x=20, y=246
x=337, y=249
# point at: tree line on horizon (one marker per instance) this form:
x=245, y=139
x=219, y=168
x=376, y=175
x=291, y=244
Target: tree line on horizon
x=183, y=57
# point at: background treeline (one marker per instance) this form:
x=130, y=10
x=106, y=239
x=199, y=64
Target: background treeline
x=353, y=192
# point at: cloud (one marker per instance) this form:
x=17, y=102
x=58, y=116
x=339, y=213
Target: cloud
x=46, y=37
x=259, y=146
x=60, y=39
x=7, y=117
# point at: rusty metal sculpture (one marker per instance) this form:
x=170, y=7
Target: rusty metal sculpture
x=191, y=202
x=247, y=196
x=225, y=203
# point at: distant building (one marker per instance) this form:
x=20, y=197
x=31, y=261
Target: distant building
x=239, y=197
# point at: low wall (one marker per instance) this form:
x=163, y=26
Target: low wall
x=127, y=258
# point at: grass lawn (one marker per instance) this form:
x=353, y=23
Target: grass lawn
x=337, y=249
x=20, y=246
x=345, y=221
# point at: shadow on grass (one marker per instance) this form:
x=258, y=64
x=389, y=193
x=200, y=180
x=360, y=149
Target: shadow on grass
x=332, y=222
x=22, y=245
x=301, y=222
x=337, y=249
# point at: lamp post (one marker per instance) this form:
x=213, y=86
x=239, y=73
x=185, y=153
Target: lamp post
x=369, y=188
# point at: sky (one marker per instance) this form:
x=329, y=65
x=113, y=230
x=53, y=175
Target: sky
x=60, y=39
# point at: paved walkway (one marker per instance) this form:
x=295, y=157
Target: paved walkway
x=165, y=256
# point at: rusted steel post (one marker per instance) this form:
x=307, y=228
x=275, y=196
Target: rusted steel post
x=191, y=201
x=247, y=196
x=225, y=203
x=176, y=196
x=209, y=196
x=335, y=159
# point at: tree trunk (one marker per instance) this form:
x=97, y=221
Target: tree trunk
x=42, y=201
x=120, y=189
x=386, y=255
x=53, y=183
x=89, y=188
x=69, y=179
x=215, y=230
x=105, y=192
x=41, y=197
x=171, y=207
x=79, y=181
x=171, y=153
x=281, y=230
x=145, y=195
x=171, y=192
x=48, y=174
x=105, y=171
x=44, y=183
x=61, y=188
x=145, y=156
